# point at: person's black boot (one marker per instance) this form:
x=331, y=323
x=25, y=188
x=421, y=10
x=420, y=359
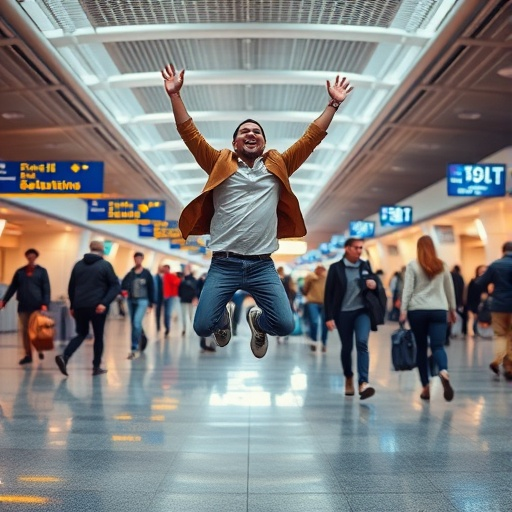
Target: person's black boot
x=61, y=363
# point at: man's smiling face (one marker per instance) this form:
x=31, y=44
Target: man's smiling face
x=249, y=142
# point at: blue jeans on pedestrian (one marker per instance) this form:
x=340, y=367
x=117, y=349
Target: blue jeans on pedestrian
x=137, y=309
x=349, y=323
x=429, y=324
x=316, y=315
x=260, y=279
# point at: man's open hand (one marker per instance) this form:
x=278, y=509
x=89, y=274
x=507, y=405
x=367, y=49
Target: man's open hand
x=339, y=90
x=173, y=81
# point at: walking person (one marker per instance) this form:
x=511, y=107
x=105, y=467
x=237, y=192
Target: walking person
x=428, y=302
x=244, y=185
x=32, y=287
x=314, y=291
x=139, y=284
x=159, y=296
x=346, y=311
x=291, y=293
x=171, y=285
x=499, y=273
x=474, y=297
x=187, y=292
x=93, y=285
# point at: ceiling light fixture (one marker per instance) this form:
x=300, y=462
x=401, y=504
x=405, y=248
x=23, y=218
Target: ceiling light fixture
x=11, y=116
x=505, y=72
x=469, y=116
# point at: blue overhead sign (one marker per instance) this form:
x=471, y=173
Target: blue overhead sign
x=77, y=179
x=395, y=215
x=160, y=229
x=362, y=228
x=487, y=180
x=125, y=210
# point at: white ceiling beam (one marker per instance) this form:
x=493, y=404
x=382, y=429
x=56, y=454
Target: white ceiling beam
x=237, y=115
x=238, y=77
x=179, y=145
x=198, y=31
x=193, y=166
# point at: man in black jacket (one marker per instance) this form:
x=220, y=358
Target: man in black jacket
x=32, y=287
x=93, y=285
x=499, y=273
x=139, y=285
x=346, y=310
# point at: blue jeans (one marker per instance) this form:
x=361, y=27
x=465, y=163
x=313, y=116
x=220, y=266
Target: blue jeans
x=137, y=309
x=168, y=307
x=258, y=278
x=349, y=323
x=315, y=315
x=431, y=324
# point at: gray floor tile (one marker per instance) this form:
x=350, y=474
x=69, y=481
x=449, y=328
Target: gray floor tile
x=189, y=502
x=400, y=502
x=298, y=503
x=477, y=501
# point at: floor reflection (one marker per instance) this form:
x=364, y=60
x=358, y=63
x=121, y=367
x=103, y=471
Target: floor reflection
x=177, y=429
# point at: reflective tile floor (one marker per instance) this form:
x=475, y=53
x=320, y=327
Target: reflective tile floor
x=180, y=430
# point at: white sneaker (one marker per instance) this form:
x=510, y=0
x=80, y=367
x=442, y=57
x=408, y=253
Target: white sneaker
x=259, y=340
x=223, y=336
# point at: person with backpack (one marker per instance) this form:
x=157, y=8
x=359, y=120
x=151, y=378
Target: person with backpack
x=139, y=285
x=32, y=287
x=428, y=301
x=499, y=273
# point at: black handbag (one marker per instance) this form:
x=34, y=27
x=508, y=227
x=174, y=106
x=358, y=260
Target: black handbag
x=403, y=349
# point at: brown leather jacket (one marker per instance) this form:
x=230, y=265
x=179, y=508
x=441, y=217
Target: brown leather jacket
x=220, y=165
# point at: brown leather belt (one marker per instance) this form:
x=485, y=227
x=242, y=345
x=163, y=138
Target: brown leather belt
x=229, y=254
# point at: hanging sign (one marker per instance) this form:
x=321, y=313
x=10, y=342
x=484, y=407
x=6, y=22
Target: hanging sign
x=487, y=180
x=160, y=229
x=63, y=179
x=125, y=210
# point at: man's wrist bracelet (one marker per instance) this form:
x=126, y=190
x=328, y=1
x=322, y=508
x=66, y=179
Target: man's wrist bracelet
x=334, y=104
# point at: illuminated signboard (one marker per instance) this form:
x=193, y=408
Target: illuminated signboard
x=338, y=241
x=395, y=215
x=125, y=210
x=77, y=179
x=160, y=229
x=362, y=228
x=486, y=180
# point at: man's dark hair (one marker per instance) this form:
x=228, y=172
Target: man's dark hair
x=350, y=241
x=507, y=247
x=138, y=254
x=456, y=268
x=249, y=121
x=32, y=251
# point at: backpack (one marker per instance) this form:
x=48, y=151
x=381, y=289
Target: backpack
x=41, y=331
x=403, y=349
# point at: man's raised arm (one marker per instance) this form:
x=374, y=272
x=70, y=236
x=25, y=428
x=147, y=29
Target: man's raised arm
x=338, y=93
x=173, y=83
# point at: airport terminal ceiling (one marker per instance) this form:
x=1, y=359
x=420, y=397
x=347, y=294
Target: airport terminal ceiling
x=433, y=84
